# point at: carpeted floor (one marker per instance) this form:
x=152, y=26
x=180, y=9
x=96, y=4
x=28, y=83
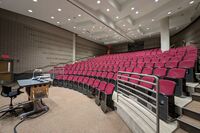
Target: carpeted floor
x=70, y=112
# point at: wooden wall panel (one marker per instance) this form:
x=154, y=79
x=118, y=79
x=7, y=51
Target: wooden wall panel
x=34, y=43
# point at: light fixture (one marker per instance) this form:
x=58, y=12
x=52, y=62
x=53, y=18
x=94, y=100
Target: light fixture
x=137, y=12
x=74, y=27
x=140, y=25
x=169, y=13
x=52, y=17
x=124, y=25
x=30, y=11
x=156, y=0
x=98, y=1
x=132, y=8
x=191, y=2
x=59, y=9
x=84, y=29
x=148, y=28
x=108, y=10
x=58, y=22
x=79, y=15
x=35, y=1
x=117, y=17
x=69, y=19
x=152, y=20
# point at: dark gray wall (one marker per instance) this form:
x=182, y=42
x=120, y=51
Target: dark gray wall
x=190, y=34
x=33, y=43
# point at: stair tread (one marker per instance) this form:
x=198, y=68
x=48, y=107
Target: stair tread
x=193, y=106
x=179, y=130
x=196, y=94
x=190, y=121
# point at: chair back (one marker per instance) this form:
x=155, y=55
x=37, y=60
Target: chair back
x=5, y=91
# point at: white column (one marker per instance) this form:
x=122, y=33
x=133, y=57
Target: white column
x=74, y=48
x=165, y=34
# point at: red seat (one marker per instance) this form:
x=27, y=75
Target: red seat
x=96, y=83
x=176, y=73
x=159, y=64
x=102, y=86
x=171, y=64
x=137, y=70
x=187, y=64
x=109, y=89
x=147, y=70
x=147, y=85
x=134, y=80
x=160, y=72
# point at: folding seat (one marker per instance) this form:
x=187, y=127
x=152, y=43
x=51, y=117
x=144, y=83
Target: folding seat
x=133, y=64
x=99, y=91
x=73, y=81
x=147, y=70
x=166, y=100
x=171, y=64
x=115, y=69
x=140, y=59
x=104, y=75
x=109, y=76
x=141, y=64
x=137, y=70
x=83, y=85
x=65, y=79
x=150, y=64
x=93, y=74
x=76, y=84
x=98, y=74
x=178, y=75
x=159, y=65
x=147, y=60
x=88, y=73
x=122, y=69
x=69, y=81
x=154, y=60
x=177, y=58
x=160, y=72
x=84, y=73
x=79, y=72
x=58, y=81
x=190, y=57
x=91, y=89
x=189, y=65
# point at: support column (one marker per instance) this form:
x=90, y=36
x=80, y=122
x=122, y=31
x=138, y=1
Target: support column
x=165, y=34
x=74, y=48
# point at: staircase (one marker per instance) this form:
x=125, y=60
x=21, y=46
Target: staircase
x=189, y=122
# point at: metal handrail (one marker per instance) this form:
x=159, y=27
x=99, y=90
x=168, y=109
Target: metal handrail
x=123, y=84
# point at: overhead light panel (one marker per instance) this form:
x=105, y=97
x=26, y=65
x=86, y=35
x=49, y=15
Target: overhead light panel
x=108, y=10
x=52, y=17
x=117, y=17
x=132, y=8
x=169, y=13
x=30, y=11
x=152, y=20
x=79, y=15
x=69, y=19
x=137, y=12
x=35, y=1
x=98, y=1
x=59, y=9
x=58, y=22
x=191, y=2
x=156, y=0
x=74, y=27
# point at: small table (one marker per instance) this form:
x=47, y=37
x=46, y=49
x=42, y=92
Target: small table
x=36, y=90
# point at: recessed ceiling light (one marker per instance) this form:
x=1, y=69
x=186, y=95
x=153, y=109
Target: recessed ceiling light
x=30, y=11
x=132, y=8
x=124, y=25
x=52, y=17
x=98, y=1
x=58, y=22
x=108, y=10
x=169, y=12
x=34, y=0
x=69, y=19
x=191, y=2
x=79, y=15
x=117, y=17
x=59, y=9
x=140, y=25
x=74, y=27
x=137, y=12
x=148, y=28
x=84, y=29
x=156, y=0
x=152, y=20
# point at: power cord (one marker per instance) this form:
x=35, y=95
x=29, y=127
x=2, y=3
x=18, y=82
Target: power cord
x=29, y=117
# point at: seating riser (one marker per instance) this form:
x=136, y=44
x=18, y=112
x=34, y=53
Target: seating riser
x=188, y=128
x=194, y=115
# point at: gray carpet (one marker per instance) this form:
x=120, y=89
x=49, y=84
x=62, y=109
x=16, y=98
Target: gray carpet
x=70, y=112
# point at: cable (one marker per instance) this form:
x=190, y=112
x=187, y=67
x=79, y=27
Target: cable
x=30, y=117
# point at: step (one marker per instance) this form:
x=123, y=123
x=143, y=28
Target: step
x=189, y=124
x=192, y=110
x=179, y=130
x=196, y=96
x=197, y=89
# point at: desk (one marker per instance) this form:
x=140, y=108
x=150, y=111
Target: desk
x=36, y=90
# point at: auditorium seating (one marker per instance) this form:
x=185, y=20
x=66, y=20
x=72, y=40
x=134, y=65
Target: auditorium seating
x=93, y=76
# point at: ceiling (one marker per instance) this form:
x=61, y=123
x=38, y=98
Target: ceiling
x=109, y=21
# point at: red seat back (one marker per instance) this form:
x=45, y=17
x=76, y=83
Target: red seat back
x=109, y=89
x=176, y=73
